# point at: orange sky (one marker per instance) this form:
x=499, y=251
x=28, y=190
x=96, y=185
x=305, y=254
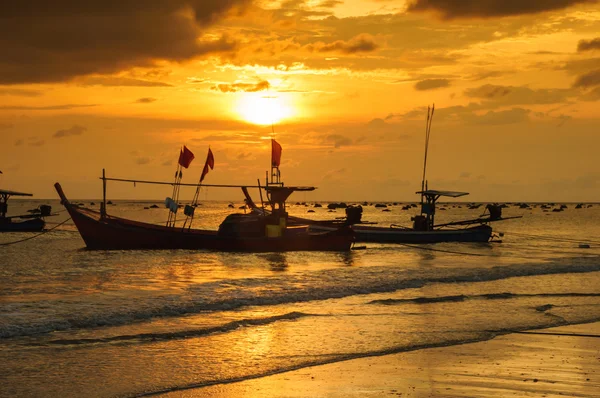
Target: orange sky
x=103, y=84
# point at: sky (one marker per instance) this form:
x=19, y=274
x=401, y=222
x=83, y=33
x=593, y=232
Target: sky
x=343, y=86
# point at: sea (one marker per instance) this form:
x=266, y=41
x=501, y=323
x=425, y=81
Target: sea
x=82, y=323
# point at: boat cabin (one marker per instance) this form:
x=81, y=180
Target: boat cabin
x=425, y=221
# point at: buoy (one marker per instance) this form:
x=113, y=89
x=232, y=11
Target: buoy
x=584, y=246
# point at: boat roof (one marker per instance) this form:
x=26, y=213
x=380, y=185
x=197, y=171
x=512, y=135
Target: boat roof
x=279, y=194
x=452, y=194
x=14, y=193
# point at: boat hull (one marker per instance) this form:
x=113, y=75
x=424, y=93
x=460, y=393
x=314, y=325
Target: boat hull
x=33, y=225
x=114, y=233
x=479, y=233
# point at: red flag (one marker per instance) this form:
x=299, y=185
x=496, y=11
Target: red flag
x=185, y=157
x=210, y=162
x=275, y=153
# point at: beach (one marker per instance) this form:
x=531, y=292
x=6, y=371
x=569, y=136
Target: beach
x=555, y=362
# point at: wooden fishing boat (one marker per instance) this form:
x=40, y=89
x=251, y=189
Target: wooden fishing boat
x=238, y=233
x=422, y=231
x=33, y=222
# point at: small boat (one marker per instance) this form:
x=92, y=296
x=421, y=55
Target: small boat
x=33, y=222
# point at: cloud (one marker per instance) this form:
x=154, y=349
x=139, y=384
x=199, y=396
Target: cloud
x=35, y=141
x=431, y=84
x=246, y=87
x=450, y=9
x=512, y=95
x=593, y=95
x=359, y=44
x=74, y=130
x=44, y=108
x=115, y=81
x=590, y=79
x=334, y=174
x=338, y=140
x=19, y=142
x=145, y=100
x=6, y=126
x=587, y=45
x=515, y=115
x=21, y=92
x=142, y=160
x=74, y=38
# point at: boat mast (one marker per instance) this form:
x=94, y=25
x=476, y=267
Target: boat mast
x=103, y=205
x=427, y=134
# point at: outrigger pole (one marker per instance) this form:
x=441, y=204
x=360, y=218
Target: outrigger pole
x=180, y=184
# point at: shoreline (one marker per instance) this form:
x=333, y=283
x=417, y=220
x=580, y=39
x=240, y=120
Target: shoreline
x=555, y=362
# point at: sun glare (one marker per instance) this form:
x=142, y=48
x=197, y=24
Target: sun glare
x=263, y=109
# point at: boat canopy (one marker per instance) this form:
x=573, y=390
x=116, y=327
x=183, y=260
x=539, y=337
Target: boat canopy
x=433, y=192
x=13, y=193
x=279, y=194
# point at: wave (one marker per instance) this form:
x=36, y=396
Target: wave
x=23, y=319
x=183, y=334
x=493, y=296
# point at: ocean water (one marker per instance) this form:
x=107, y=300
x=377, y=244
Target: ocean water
x=75, y=322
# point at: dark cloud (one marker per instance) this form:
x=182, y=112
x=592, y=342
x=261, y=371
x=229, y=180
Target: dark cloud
x=55, y=41
x=247, y=87
x=6, y=126
x=450, y=9
x=590, y=79
x=515, y=115
x=74, y=130
x=359, y=44
x=35, y=141
x=338, y=140
x=145, y=100
x=511, y=95
x=113, y=81
x=19, y=142
x=587, y=45
x=244, y=155
x=593, y=95
x=431, y=84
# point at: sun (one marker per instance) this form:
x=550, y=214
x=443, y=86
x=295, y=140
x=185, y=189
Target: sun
x=263, y=109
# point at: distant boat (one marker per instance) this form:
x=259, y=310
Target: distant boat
x=32, y=222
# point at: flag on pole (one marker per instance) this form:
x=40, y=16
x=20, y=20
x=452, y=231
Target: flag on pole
x=210, y=162
x=275, y=153
x=185, y=157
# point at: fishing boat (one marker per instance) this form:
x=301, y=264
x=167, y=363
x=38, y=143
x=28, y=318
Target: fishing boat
x=33, y=222
x=237, y=233
x=423, y=229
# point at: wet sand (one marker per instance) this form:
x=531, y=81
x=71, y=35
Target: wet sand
x=557, y=362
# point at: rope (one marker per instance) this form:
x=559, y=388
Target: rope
x=490, y=255
x=35, y=236
x=553, y=238
x=446, y=251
